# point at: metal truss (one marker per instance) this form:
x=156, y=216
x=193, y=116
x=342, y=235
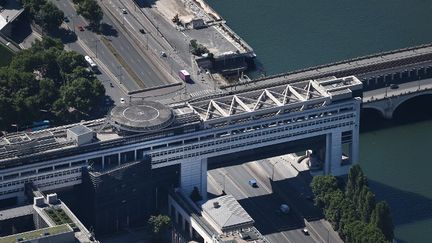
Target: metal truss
x=257, y=100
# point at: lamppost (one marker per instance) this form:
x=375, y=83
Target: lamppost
x=273, y=170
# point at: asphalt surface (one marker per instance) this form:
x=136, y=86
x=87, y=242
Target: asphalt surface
x=261, y=204
x=148, y=75
x=413, y=86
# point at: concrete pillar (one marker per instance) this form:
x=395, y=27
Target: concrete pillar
x=119, y=158
x=103, y=162
x=333, y=153
x=135, y=155
x=194, y=174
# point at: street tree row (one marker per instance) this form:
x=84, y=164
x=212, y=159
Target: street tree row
x=353, y=212
x=47, y=82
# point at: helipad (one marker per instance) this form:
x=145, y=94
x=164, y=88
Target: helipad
x=141, y=116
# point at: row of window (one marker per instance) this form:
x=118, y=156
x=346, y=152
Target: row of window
x=329, y=127
x=42, y=177
x=256, y=134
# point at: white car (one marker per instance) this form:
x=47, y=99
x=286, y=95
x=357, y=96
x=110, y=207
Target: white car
x=124, y=11
x=122, y=100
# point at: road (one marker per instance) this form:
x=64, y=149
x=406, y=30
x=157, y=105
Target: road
x=131, y=70
x=261, y=204
x=378, y=94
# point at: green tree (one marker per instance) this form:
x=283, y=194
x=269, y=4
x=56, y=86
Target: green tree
x=321, y=185
x=382, y=219
x=367, y=204
x=195, y=195
x=333, y=209
x=3, y=2
x=355, y=183
x=49, y=16
x=158, y=225
x=82, y=94
x=91, y=11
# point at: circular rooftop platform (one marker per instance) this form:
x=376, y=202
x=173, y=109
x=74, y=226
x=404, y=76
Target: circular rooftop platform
x=141, y=116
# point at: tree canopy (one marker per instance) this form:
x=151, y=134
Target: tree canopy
x=90, y=10
x=46, y=81
x=353, y=212
x=158, y=225
x=44, y=13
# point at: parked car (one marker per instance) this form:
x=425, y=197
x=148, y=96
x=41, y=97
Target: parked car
x=80, y=28
x=142, y=31
x=122, y=100
x=66, y=19
x=305, y=231
x=124, y=11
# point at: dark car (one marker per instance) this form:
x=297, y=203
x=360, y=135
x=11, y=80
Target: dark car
x=142, y=31
x=394, y=86
x=80, y=28
x=66, y=19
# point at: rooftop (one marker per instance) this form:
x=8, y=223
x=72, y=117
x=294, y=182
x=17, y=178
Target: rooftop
x=80, y=129
x=36, y=234
x=16, y=212
x=147, y=120
x=227, y=213
x=9, y=12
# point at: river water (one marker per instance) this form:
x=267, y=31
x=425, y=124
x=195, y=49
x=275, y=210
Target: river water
x=292, y=34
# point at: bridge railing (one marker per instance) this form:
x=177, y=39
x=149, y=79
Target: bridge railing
x=374, y=98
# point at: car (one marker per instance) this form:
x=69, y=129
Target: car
x=394, y=86
x=163, y=54
x=122, y=100
x=253, y=183
x=124, y=11
x=80, y=28
x=66, y=19
x=305, y=231
x=111, y=85
x=142, y=31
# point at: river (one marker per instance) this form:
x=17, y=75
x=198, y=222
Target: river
x=290, y=34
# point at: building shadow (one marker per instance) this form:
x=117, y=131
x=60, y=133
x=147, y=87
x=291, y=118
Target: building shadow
x=67, y=36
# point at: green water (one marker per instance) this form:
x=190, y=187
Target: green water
x=293, y=34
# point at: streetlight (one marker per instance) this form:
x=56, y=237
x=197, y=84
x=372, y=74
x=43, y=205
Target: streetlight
x=273, y=170
x=96, y=43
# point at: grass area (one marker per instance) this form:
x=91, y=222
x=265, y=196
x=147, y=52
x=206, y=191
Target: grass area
x=31, y=235
x=60, y=217
x=6, y=55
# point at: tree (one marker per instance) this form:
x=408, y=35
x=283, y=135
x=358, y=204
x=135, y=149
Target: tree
x=158, y=225
x=90, y=10
x=197, y=49
x=321, y=185
x=50, y=17
x=355, y=183
x=382, y=219
x=3, y=2
x=195, y=195
x=367, y=204
x=82, y=94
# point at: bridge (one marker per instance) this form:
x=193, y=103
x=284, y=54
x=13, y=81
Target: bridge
x=387, y=100
x=323, y=113
x=375, y=71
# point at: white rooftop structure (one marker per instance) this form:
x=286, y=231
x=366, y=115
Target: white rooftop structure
x=226, y=214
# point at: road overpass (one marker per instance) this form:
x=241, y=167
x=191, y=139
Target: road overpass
x=187, y=135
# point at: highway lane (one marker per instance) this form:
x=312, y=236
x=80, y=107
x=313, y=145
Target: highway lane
x=402, y=88
x=92, y=42
x=294, y=186
x=146, y=73
x=261, y=205
x=150, y=73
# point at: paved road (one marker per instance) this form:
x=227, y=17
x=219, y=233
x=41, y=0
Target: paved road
x=378, y=94
x=261, y=204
